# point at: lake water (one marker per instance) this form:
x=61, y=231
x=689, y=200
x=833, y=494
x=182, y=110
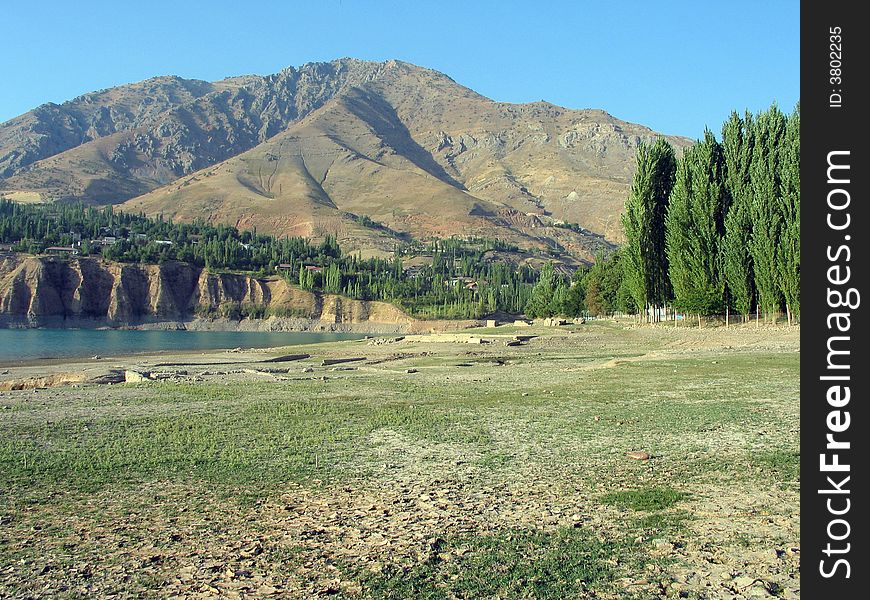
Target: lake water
x=28, y=344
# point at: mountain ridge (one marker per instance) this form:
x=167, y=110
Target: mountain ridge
x=403, y=145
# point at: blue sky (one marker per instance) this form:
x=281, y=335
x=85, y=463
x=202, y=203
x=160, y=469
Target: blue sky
x=674, y=66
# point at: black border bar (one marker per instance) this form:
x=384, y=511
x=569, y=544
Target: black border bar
x=834, y=338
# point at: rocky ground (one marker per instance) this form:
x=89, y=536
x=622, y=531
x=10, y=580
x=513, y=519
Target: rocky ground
x=450, y=466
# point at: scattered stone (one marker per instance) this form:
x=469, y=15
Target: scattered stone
x=386, y=340
x=286, y=358
x=131, y=376
x=160, y=375
x=337, y=361
x=308, y=370
x=410, y=370
x=638, y=455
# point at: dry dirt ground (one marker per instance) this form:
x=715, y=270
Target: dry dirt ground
x=434, y=469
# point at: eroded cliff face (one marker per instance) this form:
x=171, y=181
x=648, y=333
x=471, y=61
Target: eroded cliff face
x=45, y=291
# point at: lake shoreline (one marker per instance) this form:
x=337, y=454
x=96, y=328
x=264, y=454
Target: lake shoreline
x=50, y=348
x=269, y=324
x=272, y=324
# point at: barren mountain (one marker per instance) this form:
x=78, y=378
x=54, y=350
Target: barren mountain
x=309, y=150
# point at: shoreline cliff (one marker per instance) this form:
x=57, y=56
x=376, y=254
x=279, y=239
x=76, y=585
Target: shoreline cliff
x=37, y=291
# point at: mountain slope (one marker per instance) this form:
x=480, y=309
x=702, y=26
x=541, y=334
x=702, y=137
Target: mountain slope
x=347, y=159
x=307, y=151
x=155, y=131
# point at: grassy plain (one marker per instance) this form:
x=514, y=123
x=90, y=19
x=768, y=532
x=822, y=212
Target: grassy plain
x=433, y=470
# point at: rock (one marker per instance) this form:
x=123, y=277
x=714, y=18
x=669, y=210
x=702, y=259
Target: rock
x=638, y=455
x=410, y=370
x=743, y=581
x=131, y=376
x=308, y=370
x=662, y=544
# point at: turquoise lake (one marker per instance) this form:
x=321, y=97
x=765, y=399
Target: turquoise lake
x=28, y=344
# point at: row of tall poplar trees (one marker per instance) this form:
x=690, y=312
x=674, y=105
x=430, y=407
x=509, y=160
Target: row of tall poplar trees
x=718, y=229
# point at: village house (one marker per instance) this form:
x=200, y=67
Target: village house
x=460, y=281
x=283, y=267
x=61, y=250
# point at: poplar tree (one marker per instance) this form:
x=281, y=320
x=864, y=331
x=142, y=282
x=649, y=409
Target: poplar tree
x=766, y=208
x=645, y=259
x=737, y=147
x=789, y=247
x=695, y=228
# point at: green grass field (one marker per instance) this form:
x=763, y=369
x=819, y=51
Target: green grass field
x=505, y=478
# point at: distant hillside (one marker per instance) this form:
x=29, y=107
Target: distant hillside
x=313, y=150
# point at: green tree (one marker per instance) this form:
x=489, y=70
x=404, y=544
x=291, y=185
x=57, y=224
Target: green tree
x=789, y=247
x=695, y=227
x=575, y=303
x=539, y=304
x=645, y=261
x=766, y=208
x=604, y=286
x=737, y=146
